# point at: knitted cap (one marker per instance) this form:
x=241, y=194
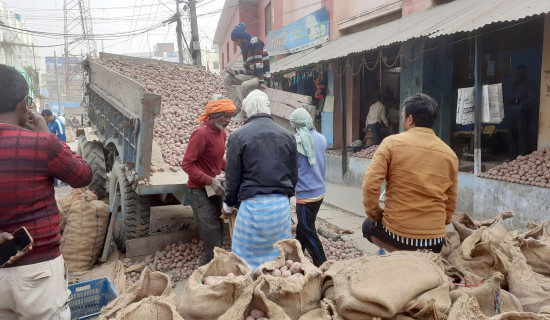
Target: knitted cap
x=239, y=32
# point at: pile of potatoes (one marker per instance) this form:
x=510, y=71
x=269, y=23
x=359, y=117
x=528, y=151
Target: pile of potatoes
x=339, y=250
x=533, y=169
x=289, y=269
x=366, y=153
x=185, y=91
x=256, y=314
x=182, y=259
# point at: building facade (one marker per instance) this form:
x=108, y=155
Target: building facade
x=16, y=47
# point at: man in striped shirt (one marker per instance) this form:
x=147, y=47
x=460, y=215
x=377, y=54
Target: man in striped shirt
x=255, y=62
x=33, y=285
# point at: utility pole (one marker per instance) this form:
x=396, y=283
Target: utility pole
x=59, y=100
x=195, y=44
x=179, y=32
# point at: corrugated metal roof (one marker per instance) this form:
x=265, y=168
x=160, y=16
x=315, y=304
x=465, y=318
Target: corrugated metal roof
x=445, y=19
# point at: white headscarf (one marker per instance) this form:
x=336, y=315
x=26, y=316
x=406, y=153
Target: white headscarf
x=256, y=102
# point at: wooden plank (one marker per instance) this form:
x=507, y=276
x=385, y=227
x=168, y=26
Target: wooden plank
x=109, y=237
x=287, y=97
x=281, y=110
x=148, y=245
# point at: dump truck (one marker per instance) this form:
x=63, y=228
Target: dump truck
x=119, y=146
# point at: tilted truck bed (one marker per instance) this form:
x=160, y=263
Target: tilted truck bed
x=122, y=113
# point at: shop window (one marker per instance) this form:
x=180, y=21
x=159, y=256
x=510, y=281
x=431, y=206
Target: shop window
x=216, y=65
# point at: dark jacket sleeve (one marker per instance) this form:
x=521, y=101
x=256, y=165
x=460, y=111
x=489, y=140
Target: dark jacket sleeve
x=294, y=162
x=66, y=165
x=233, y=170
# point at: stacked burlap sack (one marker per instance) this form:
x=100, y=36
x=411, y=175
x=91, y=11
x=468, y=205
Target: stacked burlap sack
x=151, y=298
x=64, y=204
x=84, y=231
x=490, y=273
x=498, y=274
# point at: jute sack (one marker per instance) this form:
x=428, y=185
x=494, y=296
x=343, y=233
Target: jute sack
x=297, y=294
x=406, y=283
x=467, y=308
x=465, y=225
x=479, y=255
x=452, y=242
x=65, y=203
x=535, y=246
x=459, y=277
x=150, y=308
x=532, y=289
x=156, y=284
x=196, y=299
x=486, y=293
x=254, y=297
x=326, y=312
x=84, y=235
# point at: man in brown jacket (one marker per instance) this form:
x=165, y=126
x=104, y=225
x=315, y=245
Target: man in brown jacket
x=421, y=174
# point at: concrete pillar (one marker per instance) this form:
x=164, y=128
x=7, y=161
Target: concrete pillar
x=544, y=109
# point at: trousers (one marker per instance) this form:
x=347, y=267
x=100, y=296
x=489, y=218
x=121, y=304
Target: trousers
x=35, y=291
x=306, y=233
x=247, y=82
x=206, y=212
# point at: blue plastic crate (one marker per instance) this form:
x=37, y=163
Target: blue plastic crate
x=87, y=298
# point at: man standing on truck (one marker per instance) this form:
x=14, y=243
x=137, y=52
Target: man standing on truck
x=262, y=173
x=255, y=61
x=421, y=174
x=33, y=284
x=203, y=162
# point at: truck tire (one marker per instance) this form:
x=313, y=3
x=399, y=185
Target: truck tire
x=92, y=152
x=132, y=220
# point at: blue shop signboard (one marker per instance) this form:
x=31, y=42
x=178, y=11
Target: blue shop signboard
x=301, y=34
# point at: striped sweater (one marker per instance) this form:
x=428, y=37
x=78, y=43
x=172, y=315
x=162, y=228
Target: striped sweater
x=255, y=58
x=29, y=161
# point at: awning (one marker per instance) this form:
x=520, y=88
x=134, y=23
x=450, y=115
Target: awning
x=445, y=19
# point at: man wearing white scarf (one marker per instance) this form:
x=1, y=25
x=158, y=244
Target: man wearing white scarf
x=262, y=173
x=311, y=187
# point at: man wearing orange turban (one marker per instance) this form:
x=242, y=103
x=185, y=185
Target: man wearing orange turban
x=204, y=162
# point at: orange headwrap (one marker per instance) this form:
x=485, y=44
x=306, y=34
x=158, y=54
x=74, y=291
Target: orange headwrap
x=222, y=105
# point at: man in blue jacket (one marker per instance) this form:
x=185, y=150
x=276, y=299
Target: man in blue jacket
x=55, y=125
x=58, y=128
x=311, y=187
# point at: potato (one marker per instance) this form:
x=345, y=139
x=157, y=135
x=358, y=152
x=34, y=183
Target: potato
x=296, y=267
x=286, y=274
x=276, y=273
x=257, y=314
x=250, y=318
x=288, y=263
x=208, y=280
